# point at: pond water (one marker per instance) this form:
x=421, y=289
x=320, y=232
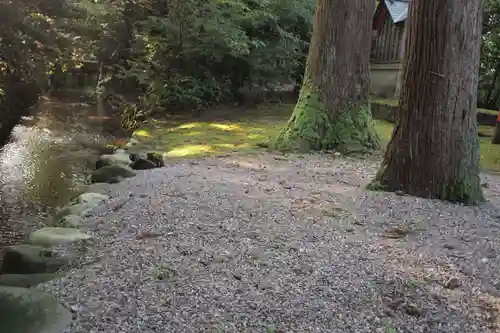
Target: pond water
x=46, y=163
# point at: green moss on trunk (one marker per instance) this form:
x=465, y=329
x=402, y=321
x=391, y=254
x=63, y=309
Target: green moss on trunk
x=464, y=188
x=311, y=128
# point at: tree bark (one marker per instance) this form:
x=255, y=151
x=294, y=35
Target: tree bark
x=333, y=111
x=434, y=150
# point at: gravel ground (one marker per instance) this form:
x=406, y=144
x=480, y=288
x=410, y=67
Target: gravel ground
x=269, y=244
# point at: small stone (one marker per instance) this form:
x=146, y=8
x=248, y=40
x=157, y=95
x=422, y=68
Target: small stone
x=238, y=274
x=265, y=284
x=156, y=158
x=452, y=283
x=337, y=154
x=349, y=229
x=400, y=193
x=449, y=246
x=142, y=164
x=491, y=289
x=143, y=234
x=413, y=310
x=396, y=233
x=484, y=260
x=220, y=258
x=92, y=199
x=485, y=185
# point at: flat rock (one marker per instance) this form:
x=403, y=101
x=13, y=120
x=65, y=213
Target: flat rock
x=69, y=221
x=92, y=199
x=119, y=157
x=81, y=209
x=30, y=259
x=55, y=236
x=25, y=310
x=102, y=188
x=112, y=174
x=27, y=280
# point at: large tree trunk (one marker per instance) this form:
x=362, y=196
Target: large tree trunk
x=434, y=150
x=333, y=111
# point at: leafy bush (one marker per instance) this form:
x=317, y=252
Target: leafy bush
x=186, y=55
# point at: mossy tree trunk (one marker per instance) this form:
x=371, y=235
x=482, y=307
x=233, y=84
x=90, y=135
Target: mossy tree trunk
x=333, y=110
x=434, y=151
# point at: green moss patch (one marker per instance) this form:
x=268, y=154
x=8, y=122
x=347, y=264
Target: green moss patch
x=246, y=130
x=312, y=128
x=226, y=131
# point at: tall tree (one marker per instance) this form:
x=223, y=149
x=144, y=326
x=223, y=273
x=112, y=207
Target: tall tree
x=333, y=111
x=434, y=150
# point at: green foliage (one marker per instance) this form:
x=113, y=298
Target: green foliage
x=34, y=35
x=489, y=83
x=186, y=55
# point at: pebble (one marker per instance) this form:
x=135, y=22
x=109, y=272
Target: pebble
x=319, y=279
x=452, y=283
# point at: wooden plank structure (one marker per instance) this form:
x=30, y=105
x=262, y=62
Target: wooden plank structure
x=389, y=31
x=388, y=47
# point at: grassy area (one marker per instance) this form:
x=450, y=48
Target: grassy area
x=393, y=102
x=230, y=131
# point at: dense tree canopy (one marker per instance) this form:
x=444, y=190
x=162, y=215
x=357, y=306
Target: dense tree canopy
x=156, y=54
x=167, y=56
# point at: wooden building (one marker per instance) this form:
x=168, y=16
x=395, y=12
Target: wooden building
x=388, y=46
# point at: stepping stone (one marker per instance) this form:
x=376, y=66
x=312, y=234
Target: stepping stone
x=102, y=188
x=25, y=310
x=55, y=236
x=119, y=157
x=27, y=280
x=112, y=174
x=69, y=221
x=30, y=259
x=81, y=209
x=92, y=199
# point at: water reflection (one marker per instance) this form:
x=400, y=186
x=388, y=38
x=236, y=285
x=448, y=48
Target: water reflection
x=45, y=163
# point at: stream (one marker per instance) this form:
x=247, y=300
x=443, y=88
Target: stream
x=46, y=162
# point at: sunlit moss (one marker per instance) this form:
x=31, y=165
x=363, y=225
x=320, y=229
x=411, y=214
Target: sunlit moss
x=190, y=150
x=188, y=126
x=243, y=134
x=142, y=133
x=225, y=127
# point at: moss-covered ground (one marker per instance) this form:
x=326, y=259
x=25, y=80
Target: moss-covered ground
x=249, y=130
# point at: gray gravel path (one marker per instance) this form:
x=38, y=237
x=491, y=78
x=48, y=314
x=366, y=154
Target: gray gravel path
x=246, y=244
